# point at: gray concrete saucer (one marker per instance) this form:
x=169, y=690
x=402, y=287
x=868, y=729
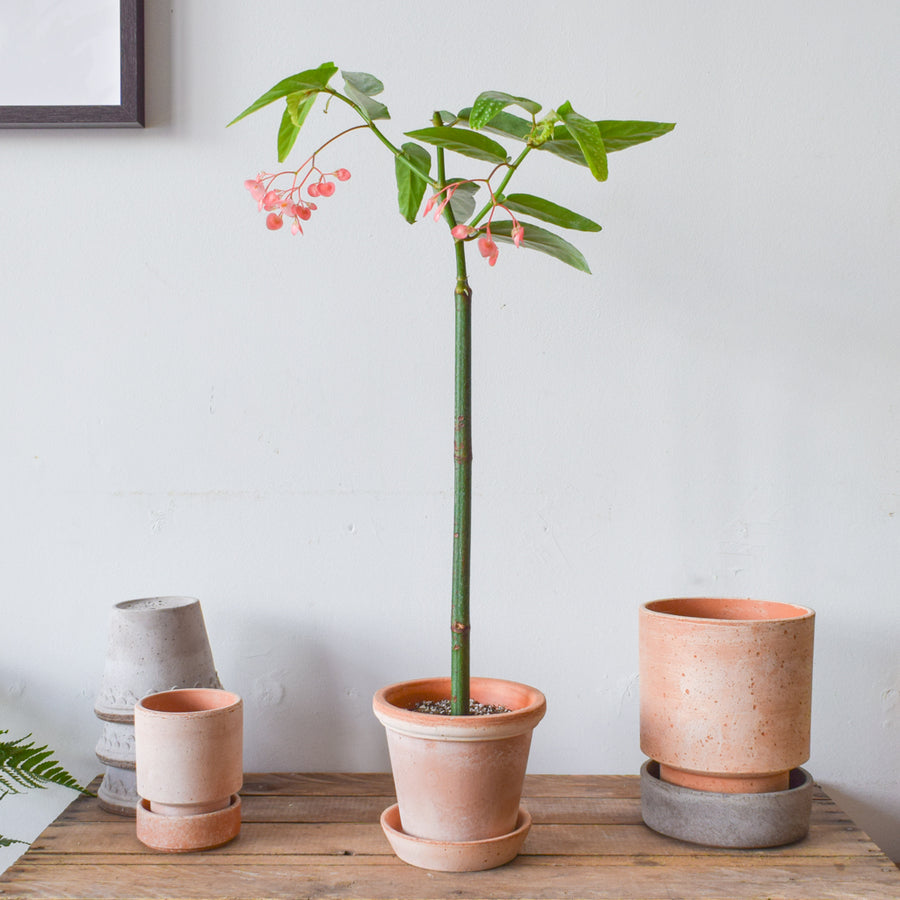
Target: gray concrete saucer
x=742, y=821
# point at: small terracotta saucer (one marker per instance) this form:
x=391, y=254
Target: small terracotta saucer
x=448, y=856
x=181, y=834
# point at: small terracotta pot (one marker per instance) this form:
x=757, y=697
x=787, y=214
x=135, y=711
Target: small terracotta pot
x=189, y=759
x=459, y=778
x=726, y=689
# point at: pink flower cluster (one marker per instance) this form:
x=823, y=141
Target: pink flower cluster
x=487, y=247
x=281, y=202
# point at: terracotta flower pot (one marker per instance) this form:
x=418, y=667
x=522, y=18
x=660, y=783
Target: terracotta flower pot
x=154, y=644
x=458, y=778
x=189, y=755
x=726, y=688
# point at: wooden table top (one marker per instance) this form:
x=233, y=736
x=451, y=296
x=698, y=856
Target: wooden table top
x=318, y=836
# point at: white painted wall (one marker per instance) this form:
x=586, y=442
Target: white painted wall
x=193, y=405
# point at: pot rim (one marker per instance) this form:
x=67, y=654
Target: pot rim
x=152, y=604
x=496, y=726
x=779, y=611
x=207, y=702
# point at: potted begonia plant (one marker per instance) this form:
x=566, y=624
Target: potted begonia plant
x=478, y=823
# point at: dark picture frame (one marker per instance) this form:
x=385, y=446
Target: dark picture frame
x=130, y=111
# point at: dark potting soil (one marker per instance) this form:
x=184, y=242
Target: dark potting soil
x=442, y=708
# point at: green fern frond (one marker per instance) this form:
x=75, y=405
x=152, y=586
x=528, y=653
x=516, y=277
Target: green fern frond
x=23, y=766
x=8, y=842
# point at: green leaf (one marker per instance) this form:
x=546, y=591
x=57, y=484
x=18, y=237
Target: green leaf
x=536, y=238
x=622, y=135
x=363, y=82
x=8, y=842
x=287, y=136
x=503, y=123
x=459, y=140
x=547, y=211
x=462, y=203
x=298, y=107
x=587, y=136
x=26, y=766
x=360, y=87
x=489, y=103
x=410, y=187
x=310, y=80
x=616, y=136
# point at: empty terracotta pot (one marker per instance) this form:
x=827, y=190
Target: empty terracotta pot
x=726, y=689
x=189, y=759
x=459, y=778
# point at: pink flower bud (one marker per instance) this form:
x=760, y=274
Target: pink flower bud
x=460, y=232
x=257, y=191
x=517, y=234
x=313, y=190
x=274, y=221
x=342, y=175
x=488, y=249
x=326, y=188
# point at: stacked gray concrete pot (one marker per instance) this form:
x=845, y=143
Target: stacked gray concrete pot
x=155, y=644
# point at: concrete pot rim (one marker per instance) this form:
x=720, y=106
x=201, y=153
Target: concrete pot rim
x=153, y=604
x=390, y=705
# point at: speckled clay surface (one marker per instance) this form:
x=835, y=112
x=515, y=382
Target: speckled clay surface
x=189, y=756
x=465, y=856
x=183, y=834
x=459, y=778
x=742, y=821
x=726, y=689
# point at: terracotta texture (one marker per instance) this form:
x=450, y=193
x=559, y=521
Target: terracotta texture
x=189, y=755
x=726, y=689
x=459, y=778
x=183, y=834
x=154, y=644
x=462, y=856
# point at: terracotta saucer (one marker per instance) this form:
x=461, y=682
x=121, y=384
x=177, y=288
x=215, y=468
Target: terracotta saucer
x=446, y=856
x=181, y=834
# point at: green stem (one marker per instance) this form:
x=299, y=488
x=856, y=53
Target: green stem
x=398, y=153
x=462, y=474
x=509, y=174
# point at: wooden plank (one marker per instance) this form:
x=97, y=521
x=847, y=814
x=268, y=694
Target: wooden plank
x=331, y=784
x=351, y=838
x=382, y=784
x=318, y=836
x=653, y=879
x=280, y=808
x=368, y=808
